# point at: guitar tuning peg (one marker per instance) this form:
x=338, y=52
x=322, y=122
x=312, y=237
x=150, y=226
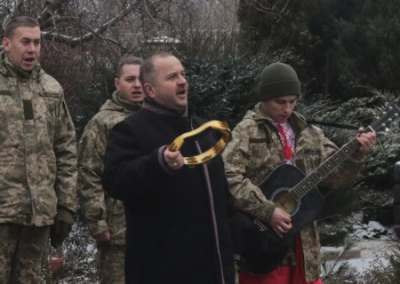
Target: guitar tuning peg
x=383, y=125
x=387, y=129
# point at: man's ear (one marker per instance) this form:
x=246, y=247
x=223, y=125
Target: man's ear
x=6, y=44
x=116, y=83
x=149, y=90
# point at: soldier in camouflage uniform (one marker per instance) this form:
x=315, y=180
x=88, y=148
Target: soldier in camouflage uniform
x=37, y=157
x=270, y=135
x=105, y=216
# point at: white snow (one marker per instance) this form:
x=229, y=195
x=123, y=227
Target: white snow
x=374, y=242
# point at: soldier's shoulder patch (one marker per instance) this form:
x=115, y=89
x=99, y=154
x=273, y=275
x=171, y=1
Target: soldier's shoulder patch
x=247, y=122
x=5, y=92
x=50, y=86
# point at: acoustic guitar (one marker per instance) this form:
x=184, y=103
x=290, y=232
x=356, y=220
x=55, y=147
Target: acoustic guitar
x=260, y=249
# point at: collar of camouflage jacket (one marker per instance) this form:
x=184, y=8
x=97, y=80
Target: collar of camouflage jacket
x=8, y=69
x=296, y=120
x=124, y=104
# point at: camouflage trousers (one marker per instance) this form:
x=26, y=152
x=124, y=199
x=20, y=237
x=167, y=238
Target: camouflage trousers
x=111, y=264
x=21, y=252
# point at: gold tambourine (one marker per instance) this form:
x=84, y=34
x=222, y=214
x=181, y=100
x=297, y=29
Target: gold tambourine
x=210, y=153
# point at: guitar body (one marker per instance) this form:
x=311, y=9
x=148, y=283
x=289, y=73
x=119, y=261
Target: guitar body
x=260, y=249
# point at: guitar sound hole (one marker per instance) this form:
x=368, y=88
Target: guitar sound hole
x=285, y=201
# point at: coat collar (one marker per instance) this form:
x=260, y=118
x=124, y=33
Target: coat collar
x=124, y=104
x=7, y=69
x=296, y=120
x=152, y=106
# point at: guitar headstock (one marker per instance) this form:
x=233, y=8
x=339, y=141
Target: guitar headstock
x=391, y=112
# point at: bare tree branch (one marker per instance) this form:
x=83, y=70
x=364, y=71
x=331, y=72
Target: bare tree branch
x=149, y=14
x=14, y=10
x=4, y=10
x=51, y=7
x=72, y=41
x=55, y=20
x=260, y=6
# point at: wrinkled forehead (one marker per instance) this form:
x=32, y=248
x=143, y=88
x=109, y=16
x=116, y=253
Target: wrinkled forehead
x=167, y=65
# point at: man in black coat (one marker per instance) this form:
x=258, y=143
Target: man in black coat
x=177, y=217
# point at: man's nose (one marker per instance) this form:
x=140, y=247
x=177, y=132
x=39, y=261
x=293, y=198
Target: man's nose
x=137, y=84
x=286, y=107
x=182, y=80
x=31, y=47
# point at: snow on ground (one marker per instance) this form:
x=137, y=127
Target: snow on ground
x=376, y=244
x=369, y=245
x=373, y=241
x=373, y=253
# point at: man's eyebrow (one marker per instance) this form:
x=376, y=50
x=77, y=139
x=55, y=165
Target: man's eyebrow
x=31, y=39
x=172, y=73
x=180, y=71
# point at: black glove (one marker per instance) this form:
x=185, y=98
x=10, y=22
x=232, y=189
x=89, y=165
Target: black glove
x=61, y=227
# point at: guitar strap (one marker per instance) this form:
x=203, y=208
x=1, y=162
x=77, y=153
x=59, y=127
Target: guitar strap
x=267, y=136
x=343, y=126
x=333, y=124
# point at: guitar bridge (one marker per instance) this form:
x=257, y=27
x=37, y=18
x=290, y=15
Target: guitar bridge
x=261, y=227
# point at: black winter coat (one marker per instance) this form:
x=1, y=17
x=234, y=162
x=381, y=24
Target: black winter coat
x=177, y=221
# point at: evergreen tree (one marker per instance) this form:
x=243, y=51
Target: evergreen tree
x=336, y=46
x=366, y=51
x=299, y=33
x=275, y=27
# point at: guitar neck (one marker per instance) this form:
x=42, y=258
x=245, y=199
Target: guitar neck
x=308, y=183
x=329, y=165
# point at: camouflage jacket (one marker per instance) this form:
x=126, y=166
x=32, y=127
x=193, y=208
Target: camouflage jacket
x=255, y=150
x=100, y=212
x=37, y=147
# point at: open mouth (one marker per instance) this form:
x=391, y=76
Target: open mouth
x=137, y=93
x=181, y=92
x=29, y=59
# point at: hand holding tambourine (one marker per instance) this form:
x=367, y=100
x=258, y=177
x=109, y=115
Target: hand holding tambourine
x=177, y=162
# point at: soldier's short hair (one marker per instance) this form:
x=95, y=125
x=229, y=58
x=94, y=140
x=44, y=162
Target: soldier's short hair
x=147, y=71
x=20, y=21
x=127, y=59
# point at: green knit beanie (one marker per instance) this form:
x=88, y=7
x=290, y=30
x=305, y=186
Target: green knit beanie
x=277, y=80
